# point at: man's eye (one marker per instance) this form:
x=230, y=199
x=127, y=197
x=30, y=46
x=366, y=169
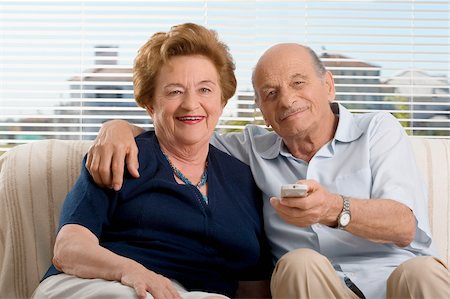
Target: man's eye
x=270, y=95
x=298, y=82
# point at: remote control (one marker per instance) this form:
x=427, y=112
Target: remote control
x=294, y=190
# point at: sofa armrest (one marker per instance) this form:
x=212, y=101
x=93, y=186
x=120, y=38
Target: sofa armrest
x=433, y=159
x=34, y=180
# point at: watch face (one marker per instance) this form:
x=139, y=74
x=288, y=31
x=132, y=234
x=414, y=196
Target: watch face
x=344, y=219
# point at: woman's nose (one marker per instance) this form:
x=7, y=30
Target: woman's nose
x=190, y=101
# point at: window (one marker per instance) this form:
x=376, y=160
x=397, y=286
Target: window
x=65, y=66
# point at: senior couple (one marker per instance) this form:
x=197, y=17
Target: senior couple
x=187, y=220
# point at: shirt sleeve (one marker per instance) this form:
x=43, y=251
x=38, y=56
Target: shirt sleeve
x=86, y=204
x=395, y=173
x=239, y=145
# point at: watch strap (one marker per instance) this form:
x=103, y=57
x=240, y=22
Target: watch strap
x=345, y=212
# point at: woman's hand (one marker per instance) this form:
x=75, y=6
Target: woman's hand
x=143, y=280
x=78, y=252
x=113, y=146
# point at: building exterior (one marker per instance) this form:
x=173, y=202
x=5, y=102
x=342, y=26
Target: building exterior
x=427, y=97
x=106, y=92
x=358, y=84
x=102, y=93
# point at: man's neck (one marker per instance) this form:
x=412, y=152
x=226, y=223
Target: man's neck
x=304, y=147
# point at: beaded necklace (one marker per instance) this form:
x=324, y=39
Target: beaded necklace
x=182, y=177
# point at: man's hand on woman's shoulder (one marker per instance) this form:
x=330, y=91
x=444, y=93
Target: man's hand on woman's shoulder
x=113, y=147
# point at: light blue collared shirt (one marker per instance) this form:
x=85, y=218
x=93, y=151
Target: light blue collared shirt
x=370, y=157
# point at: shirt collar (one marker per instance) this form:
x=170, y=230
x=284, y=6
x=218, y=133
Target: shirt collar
x=347, y=131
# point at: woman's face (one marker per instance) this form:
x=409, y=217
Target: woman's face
x=187, y=102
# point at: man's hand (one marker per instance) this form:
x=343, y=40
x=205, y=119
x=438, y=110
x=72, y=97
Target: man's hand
x=319, y=206
x=113, y=146
x=377, y=220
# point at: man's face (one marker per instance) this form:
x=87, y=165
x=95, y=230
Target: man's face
x=293, y=98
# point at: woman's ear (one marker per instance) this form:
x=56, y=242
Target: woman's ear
x=149, y=109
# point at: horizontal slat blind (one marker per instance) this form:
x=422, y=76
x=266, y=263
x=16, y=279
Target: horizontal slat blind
x=65, y=66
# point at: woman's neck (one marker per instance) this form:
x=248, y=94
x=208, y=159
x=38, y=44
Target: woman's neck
x=189, y=160
x=186, y=154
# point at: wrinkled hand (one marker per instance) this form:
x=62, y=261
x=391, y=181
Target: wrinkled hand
x=106, y=157
x=319, y=206
x=143, y=280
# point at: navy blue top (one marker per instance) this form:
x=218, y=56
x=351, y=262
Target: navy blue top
x=168, y=228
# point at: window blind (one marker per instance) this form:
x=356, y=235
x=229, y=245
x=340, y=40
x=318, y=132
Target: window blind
x=65, y=66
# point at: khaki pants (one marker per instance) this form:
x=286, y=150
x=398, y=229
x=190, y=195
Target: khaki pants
x=67, y=286
x=304, y=273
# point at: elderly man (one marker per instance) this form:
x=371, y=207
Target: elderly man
x=362, y=230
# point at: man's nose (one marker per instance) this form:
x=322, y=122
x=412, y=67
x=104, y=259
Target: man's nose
x=287, y=97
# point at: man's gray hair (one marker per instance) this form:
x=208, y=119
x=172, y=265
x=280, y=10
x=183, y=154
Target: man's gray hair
x=318, y=64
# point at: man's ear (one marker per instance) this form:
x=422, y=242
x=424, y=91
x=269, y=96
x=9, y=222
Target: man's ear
x=262, y=113
x=266, y=122
x=329, y=83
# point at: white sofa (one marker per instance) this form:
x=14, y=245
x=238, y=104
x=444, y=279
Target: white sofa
x=34, y=179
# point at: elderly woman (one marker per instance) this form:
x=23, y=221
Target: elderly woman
x=190, y=226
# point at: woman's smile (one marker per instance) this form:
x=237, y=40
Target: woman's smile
x=191, y=119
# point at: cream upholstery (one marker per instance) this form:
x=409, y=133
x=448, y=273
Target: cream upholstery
x=34, y=179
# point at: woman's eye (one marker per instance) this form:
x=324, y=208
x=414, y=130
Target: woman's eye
x=205, y=90
x=175, y=92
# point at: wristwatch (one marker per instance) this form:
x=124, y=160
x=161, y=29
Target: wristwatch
x=345, y=216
